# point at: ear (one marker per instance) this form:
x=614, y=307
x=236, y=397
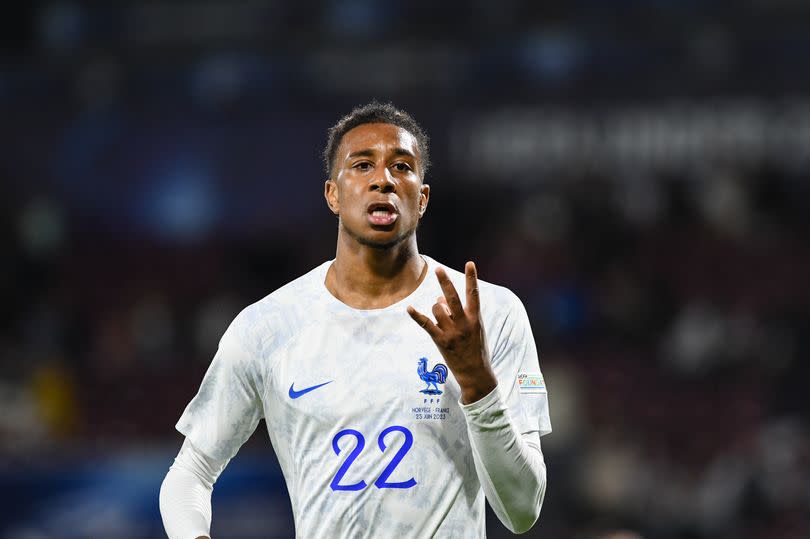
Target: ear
x=330, y=193
x=424, y=197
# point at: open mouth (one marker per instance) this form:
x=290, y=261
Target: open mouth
x=382, y=213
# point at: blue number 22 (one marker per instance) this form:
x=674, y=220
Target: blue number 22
x=381, y=481
x=361, y=442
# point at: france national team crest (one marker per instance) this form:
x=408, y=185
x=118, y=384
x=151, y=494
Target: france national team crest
x=436, y=376
x=431, y=409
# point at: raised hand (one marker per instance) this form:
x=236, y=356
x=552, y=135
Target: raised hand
x=459, y=335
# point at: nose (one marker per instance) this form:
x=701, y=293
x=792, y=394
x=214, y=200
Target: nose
x=383, y=182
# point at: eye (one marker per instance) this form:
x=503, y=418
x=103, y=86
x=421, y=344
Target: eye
x=363, y=165
x=402, y=167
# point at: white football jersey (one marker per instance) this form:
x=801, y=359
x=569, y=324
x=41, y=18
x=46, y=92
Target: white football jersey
x=361, y=409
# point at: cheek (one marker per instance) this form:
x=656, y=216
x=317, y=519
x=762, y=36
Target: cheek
x=349, y=193
x=415, y=196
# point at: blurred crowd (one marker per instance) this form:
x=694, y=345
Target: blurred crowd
x=145, y=198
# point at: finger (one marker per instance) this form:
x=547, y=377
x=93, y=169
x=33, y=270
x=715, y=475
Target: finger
x=441, y=300
x=450, y=293
x=473, y=304
x=424, y=322
x=443, y=318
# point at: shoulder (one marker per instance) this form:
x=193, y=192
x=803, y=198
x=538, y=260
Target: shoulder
x=281, y=313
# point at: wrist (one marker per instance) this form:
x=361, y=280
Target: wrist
x=475, y=387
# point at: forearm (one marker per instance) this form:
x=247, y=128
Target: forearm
x=185, y=495
x=510, y=467
x=185, y=505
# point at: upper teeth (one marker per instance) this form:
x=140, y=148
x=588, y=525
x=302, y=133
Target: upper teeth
x=380, y=213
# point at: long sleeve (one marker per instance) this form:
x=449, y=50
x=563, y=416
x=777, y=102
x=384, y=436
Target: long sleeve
x=185, y=495
x=509, y=465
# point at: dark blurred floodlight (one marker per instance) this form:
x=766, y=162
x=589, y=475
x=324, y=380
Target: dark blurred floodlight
x=42, y=228
x=182, y=205
x=60, y=26
x=553, y=57
x=356, y=18
x=218, y=79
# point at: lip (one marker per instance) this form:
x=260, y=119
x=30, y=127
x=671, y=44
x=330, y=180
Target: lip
x=382, y=205
x=382, y=220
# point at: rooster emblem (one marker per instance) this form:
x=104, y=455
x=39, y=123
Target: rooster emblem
x=437, y=376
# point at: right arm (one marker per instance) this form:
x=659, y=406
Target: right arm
x=185, y=495
x=217, y=421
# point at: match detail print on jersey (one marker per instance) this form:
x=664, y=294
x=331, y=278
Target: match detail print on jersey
x=431, y=406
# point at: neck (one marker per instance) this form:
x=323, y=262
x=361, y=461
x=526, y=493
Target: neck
x=365, y=277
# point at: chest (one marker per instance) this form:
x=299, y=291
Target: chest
x=369, y=372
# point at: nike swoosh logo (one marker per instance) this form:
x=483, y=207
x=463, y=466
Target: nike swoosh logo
x=295, y=394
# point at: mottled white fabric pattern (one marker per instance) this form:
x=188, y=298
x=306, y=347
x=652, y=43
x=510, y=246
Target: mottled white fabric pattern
x=301, y=336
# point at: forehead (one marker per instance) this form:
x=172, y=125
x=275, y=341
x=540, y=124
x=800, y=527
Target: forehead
x=377, y=136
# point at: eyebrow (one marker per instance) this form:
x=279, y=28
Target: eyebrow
x=369, y=153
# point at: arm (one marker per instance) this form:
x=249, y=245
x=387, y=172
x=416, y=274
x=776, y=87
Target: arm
x=510, y=466
x=217, y=421
x=185, y=495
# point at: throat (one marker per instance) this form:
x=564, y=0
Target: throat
x=361, y=286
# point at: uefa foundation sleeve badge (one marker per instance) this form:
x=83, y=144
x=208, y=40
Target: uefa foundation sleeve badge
x=531, y=383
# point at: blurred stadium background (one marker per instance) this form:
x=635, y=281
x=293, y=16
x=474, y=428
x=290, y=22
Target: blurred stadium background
x=637, y=171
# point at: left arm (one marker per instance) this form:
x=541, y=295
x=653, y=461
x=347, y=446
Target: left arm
x=509, y=464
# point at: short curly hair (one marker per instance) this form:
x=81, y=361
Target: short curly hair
x=371, y=113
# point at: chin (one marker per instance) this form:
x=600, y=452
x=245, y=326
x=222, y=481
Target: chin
x=382, y=243
x=382, y=240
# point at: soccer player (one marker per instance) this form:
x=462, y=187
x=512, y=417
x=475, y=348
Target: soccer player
x=387, y=422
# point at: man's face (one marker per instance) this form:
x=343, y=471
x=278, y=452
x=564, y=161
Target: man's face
x=376, y=185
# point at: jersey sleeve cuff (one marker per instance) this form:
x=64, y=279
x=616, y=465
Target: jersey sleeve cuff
x=480, y=407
